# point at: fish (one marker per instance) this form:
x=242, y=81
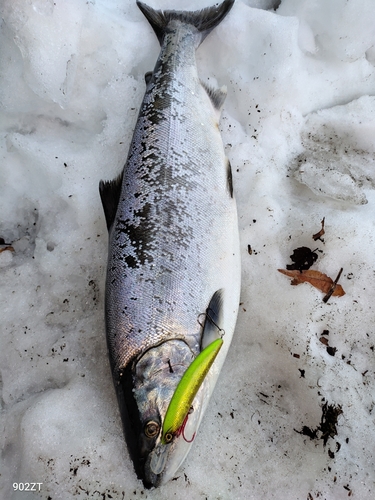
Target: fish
x=173, y=273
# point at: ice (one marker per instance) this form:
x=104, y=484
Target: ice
x=47, y=34
x=336, y=32
x=339, y=142
x=298, y=126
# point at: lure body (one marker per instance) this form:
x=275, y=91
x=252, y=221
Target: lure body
x=187, y=389
x=173, y=245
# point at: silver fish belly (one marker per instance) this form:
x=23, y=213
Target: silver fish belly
x=173, y=275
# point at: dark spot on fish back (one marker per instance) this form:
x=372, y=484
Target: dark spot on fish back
x=131, y=261
x=139, y=230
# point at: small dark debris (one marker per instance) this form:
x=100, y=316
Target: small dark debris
x=327, y=427
x=303, y=258
x=330, y=414
x=331, y=350
x=306, y=431
x=331, y=454
x=302, y=372
x=249, y=250
x=296, y=356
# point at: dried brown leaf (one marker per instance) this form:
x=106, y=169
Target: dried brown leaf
x=4, y=249
x=317, y=236
x=317, y=279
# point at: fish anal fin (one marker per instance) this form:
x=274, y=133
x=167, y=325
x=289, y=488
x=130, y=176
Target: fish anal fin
x=217, y=96
x=110, y=192
x=213, y=319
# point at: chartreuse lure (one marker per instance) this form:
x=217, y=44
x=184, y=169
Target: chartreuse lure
x=186, y=390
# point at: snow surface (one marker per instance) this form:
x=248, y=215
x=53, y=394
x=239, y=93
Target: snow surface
x=299, y=129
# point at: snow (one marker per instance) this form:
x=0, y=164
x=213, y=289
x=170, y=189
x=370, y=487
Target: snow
x=299, y=129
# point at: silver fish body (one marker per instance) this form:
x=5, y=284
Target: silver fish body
x=173, y=256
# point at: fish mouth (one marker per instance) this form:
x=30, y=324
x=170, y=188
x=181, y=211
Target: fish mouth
x=165, y=459
x=156, y=467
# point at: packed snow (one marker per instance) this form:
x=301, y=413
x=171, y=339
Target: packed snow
x=292, y=416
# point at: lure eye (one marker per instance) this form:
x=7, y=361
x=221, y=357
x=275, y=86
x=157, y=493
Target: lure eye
x=168, y=437
x=152, y=429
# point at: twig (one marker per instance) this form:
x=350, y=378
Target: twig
x=332, y=289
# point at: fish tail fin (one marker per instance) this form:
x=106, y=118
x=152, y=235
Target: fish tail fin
x=204, y=20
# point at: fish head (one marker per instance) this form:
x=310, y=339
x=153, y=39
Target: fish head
x=155, y=377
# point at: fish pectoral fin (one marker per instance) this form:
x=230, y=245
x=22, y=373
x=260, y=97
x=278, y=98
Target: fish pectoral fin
x=110, y=192
x=217, y=96
x=213, y=319
x=148, y=76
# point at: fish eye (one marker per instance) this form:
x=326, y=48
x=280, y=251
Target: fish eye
x=151, y=429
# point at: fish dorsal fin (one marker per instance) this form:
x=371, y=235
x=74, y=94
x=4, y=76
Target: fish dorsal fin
x=110, y=195
x=217, y=96
x=213, y=319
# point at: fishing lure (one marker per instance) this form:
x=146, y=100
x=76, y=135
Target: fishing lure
x=187, y=388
